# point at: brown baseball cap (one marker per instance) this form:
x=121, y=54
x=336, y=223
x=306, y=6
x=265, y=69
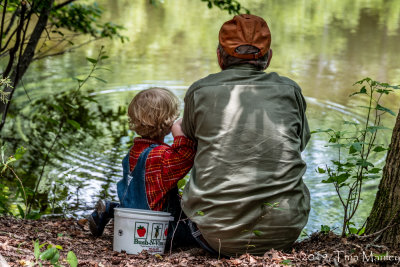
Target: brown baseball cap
x=245, y=29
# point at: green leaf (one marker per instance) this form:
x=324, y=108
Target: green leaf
x=322, y=131
x=91, y=60
x=343, y=177
x=257, y=232
x=58, y=107
x=339, y=179
x=320, y=170
x=20, y=152
x=286, y=262
x=42, y=245
x=72, y=106
x=21, y=211
x=10, y=160
x=332, y=140
x=36, y=249
x=103, y=68
x=373, y=176
x=325, y=229
x=379, y=107
x=303, y=233
x=350, y=123
x=199, y=212
x=79, y=80
x=181, y=184
x=74, y=124
x=379, y=149
x=72, y=259
x=373, y=129
x=366, y=79
x=349, y=165
x=337, y=145
x=384, y=91
x=355, y=147
x=91, y=99
x=54, y=259
x=59, y=247
x=364, y=163
x=363, y=90
x=361, y=231
x=48, y=254
x=367, y=107
x=353, y=230
x=374, y=170
x=52, y=121
x=100, y=79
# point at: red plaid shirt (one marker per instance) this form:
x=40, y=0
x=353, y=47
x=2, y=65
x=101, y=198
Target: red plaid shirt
x=165, y=166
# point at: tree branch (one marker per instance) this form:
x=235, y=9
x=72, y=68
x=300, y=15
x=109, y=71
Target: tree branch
x=65, y=51
x=2, y=22
x=14, y=15
x=63, y=4
x=8, y=41
x=14, y=50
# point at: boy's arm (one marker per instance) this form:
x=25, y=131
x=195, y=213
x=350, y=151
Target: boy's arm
x=177, y=160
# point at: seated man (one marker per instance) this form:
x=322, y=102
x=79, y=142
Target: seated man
x=246, y=192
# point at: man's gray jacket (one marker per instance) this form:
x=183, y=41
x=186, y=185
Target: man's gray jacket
x=246, y=192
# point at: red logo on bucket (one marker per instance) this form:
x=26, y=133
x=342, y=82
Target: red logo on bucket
x=141, y=231
x=166, y=231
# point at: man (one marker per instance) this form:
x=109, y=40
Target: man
x=246, y=192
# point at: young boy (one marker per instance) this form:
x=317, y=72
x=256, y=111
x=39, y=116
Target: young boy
x=151, y=169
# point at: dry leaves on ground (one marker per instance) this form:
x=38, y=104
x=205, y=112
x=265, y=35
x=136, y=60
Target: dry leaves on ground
x=17, y=236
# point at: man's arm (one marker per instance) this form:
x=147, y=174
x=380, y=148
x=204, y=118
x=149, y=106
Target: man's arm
x=188, y=125
x=305, y=130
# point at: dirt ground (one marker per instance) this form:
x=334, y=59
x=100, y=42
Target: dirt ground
x=17, y=235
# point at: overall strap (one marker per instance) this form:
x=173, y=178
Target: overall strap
x=134, y=195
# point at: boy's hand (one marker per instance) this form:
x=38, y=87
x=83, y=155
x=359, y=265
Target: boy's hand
x=177, y=128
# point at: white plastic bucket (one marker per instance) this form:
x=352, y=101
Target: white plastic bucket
x=136, y=230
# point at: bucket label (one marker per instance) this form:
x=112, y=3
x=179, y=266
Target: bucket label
x=156, y=232
x=141, y=230
x=165, y=232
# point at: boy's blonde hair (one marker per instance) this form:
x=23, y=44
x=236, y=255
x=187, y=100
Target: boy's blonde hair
x=152, y=112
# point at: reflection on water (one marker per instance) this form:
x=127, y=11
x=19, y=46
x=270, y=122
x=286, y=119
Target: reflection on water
x=324, y=45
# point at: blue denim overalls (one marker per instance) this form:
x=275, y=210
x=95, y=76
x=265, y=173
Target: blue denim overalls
x=132, y=188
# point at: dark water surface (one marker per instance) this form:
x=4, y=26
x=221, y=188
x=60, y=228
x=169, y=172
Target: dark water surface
x=325, y=46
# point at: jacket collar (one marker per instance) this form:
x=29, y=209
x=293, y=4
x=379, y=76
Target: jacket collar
x=242, y=67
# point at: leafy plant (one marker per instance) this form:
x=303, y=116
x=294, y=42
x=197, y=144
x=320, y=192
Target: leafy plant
x=4, y=95
x=37, y=29
x=287, y=262
x=355, y=147
x=325, y=229
x=232, y=6
x=52, y=255
x=69, y=114
x=6, y=164
x=55, y=123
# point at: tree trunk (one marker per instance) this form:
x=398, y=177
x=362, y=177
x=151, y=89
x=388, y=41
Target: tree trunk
x=386, y=209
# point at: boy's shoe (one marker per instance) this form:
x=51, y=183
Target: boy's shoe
x=99, y=218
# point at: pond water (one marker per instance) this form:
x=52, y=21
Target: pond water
x=324, y=45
